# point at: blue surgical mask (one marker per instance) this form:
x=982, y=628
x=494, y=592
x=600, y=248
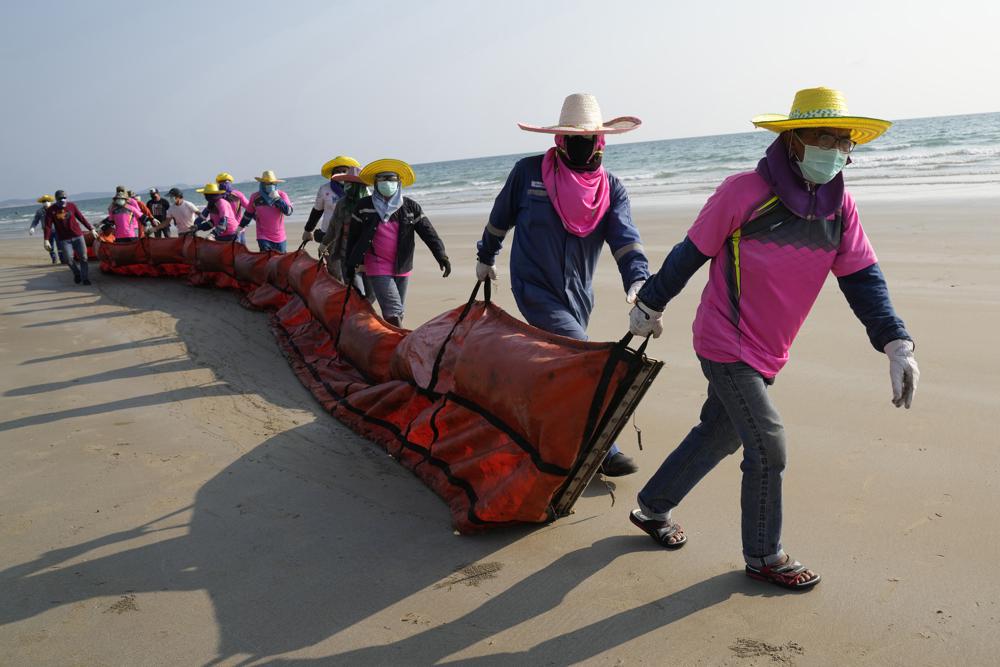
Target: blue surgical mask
x=821, y=165
x=270, y=188
x=387, y=188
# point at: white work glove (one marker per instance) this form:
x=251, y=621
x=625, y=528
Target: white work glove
x=31, y=231
x=47, y=245
x=644, y=321
x=633, y=290
x=307, y=236
x=903, y=371
x=485, y=272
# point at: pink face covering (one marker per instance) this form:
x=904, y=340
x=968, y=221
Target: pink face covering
x=580, y=198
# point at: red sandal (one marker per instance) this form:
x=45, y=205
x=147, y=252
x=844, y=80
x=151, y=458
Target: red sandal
x=790, y=574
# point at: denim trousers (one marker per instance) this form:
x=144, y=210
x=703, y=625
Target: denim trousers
x=56, y=247
x=391, y=294
x=275, y=246
x=74, y=252
x=737, y=411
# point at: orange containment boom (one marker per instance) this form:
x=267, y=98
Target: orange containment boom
x=507, y=423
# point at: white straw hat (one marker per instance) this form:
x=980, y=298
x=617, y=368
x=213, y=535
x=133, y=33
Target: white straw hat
x=582, y=115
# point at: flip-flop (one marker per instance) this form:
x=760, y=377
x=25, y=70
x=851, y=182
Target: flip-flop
x=660, y=531
x=787, y=574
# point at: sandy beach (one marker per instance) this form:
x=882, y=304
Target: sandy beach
x=172, y=495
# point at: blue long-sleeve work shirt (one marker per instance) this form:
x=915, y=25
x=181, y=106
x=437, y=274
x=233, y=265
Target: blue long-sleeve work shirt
x=551, y=270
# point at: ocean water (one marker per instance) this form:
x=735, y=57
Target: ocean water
x=947, y=156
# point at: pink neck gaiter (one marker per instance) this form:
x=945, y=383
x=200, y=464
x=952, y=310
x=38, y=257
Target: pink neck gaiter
x=580, y=198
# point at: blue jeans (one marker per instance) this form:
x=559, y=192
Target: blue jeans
x=74, y=253
x=56, y=248
x=391, y=294
x=737, y=411
x=266, y=245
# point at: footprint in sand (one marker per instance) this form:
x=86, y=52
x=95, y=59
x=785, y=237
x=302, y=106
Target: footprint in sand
x=749, y=649
x=125, y=603
x=472, y=575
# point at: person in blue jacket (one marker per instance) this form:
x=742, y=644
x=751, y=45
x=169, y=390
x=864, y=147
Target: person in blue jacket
x=566, y=206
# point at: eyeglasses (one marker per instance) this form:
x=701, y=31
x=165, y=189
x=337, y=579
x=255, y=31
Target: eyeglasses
x=826, y=140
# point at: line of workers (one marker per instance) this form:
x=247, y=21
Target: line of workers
x=789, y=216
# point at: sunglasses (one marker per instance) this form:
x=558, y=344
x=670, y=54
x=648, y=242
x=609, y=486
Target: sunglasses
x=826, y=141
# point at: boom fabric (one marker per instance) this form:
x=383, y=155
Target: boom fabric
x=507, y=423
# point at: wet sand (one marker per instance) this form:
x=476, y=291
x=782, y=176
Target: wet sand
x=172, y=495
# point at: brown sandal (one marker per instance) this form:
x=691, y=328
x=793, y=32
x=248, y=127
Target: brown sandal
x=660, y=531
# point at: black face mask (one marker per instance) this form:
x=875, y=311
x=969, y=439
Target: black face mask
x=579, y=153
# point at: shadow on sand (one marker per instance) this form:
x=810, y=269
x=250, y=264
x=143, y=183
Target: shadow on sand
x=311, y=532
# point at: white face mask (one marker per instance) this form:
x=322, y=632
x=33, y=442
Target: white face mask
x=820, y=165
x=46, y=204
x=387, y=188
x=119, y=202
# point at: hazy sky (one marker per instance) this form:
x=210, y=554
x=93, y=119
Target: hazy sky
x=101, y=93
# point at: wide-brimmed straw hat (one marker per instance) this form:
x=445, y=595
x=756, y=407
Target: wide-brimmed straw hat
x=211, y=189
x=45, y=198
x=582, y=115
x=823, y=107
x=339, y=161
x=398, y=167
x=268, y=177
x=223, y=176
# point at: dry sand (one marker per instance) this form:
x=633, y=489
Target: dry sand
x=172, y=495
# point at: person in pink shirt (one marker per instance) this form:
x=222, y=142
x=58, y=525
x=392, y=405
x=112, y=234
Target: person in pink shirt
x=268, y=206
x=381, y=236
x=237, y=200
x=772, y=235
x=218, y=214
x=125, y=219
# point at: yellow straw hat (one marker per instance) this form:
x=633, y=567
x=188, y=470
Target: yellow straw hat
x=211, y=189
x=268, y=177
x=339, y=161
x=398, y=167
x=223, y=176
x=45, y=198
x=823, y=107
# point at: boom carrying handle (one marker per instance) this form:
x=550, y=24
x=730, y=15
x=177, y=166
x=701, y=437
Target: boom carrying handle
x=487, y=292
